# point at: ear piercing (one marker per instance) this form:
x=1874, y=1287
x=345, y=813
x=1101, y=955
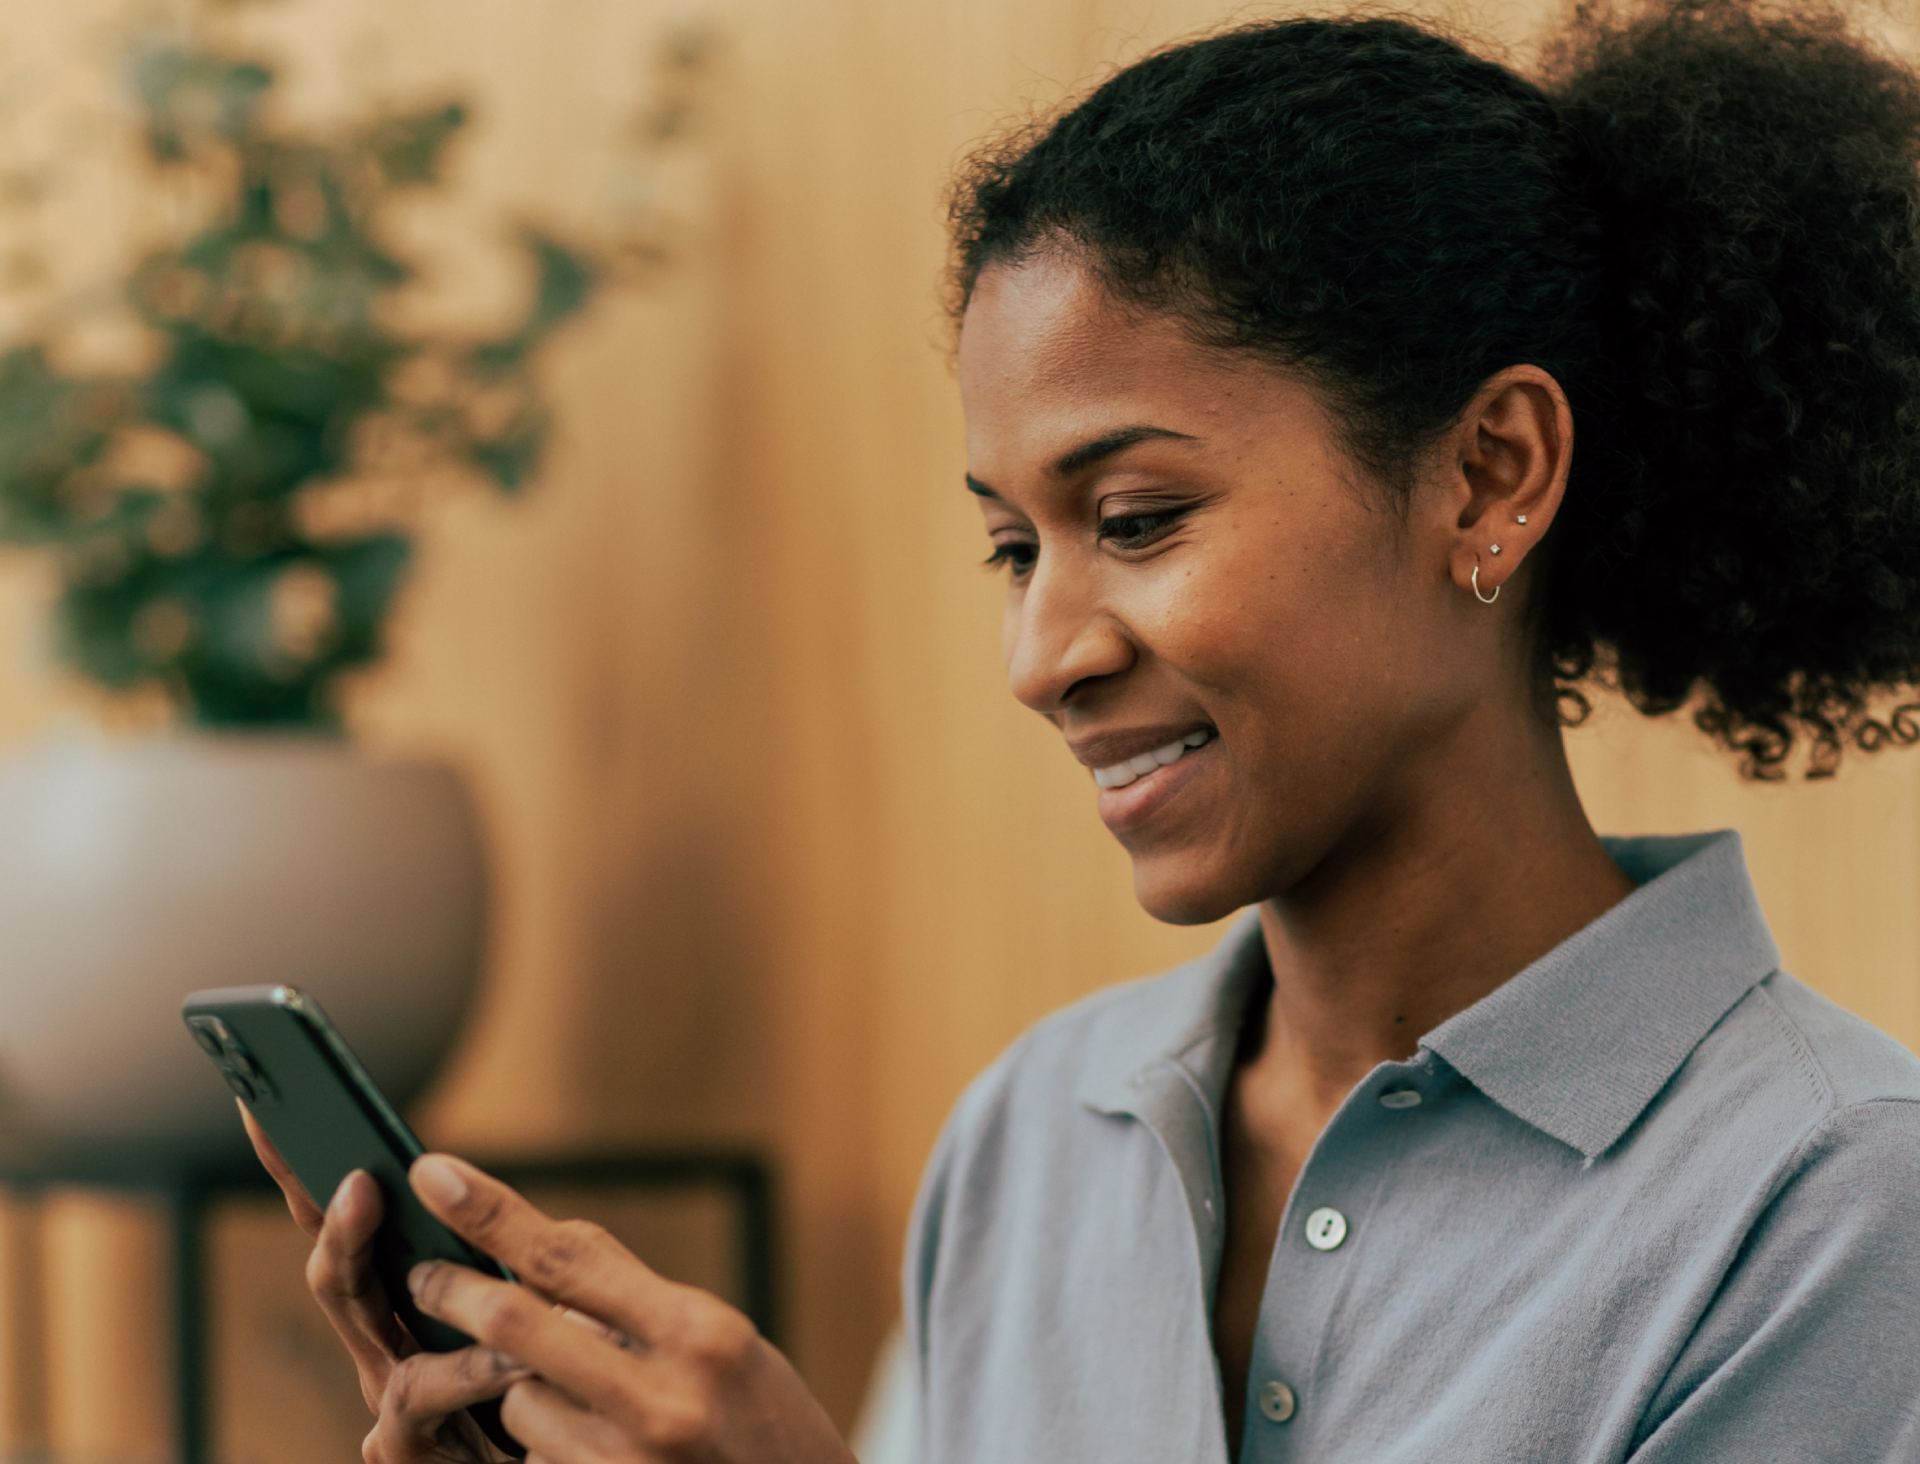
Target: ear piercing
x=1520, y=518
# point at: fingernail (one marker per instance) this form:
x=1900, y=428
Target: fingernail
x=417, y=1276
x=506, y=1366
x=338, y=1204
x=438, y=1180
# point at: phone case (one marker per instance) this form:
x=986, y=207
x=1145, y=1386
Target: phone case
x=276, y=1049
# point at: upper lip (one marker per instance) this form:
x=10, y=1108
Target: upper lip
x=1104, y=749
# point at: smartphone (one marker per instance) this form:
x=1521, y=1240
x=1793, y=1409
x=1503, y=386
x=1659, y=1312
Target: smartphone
x=306, y=1089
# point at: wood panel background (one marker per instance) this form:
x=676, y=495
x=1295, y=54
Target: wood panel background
x=780, y=858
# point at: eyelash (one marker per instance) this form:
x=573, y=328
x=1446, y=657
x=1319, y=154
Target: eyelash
x=1003, y=554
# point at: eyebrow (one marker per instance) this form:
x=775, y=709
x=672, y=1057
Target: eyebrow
x=1093, y=450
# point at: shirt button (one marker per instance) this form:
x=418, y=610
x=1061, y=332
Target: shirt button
x=1276, y=1400
x=1400, y=1098
x=1326, y=1228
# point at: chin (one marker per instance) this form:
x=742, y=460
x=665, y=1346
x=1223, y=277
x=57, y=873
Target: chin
x=1175, y=898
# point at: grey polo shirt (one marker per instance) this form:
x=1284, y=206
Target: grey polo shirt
x=1651, y=1199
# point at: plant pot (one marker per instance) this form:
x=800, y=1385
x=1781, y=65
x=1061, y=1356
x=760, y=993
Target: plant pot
x=134, y=872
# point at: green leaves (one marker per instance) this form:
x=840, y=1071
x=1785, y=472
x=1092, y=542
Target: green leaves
x=191, y=96
x=53, y=430
x=174, y=496
x=408, y=147
x=563, y=280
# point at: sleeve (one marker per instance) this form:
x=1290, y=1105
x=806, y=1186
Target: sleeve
x=884, y=1431
x=1810, y=1349
x=916, y=1286
x=951, y=1169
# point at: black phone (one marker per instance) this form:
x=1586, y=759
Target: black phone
x=323, y=1112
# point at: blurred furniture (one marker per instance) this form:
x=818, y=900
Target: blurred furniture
x=133, y=871
x=191, y=1195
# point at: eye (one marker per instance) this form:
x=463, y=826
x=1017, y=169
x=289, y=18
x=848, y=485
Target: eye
x=1137, y=529
x=1138, y=536
x=1004, y=552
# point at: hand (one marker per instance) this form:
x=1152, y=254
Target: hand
x=675, y=1375
x=417, y=1397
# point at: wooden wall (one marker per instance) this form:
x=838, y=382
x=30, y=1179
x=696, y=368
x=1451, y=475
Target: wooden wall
x=781, y=859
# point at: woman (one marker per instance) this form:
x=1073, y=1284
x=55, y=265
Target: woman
x=1479, y=1136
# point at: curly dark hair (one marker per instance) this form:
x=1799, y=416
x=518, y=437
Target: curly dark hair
x=1704, y=222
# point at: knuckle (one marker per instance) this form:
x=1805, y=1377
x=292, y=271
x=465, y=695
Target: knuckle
x=501, y=1317
x=481, y=1365
x=403, y=1386
x=566, y=1245
x=483, y=1211
x=719, y=1334
x=681, y=1420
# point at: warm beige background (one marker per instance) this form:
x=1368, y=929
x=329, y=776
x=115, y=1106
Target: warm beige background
x=781, y=859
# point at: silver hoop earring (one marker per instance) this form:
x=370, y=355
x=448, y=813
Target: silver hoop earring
x=1483, y=599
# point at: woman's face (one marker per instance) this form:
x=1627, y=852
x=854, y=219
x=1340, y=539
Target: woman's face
x=1246, y=587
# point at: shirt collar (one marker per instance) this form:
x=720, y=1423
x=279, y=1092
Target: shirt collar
x=1575, y=1044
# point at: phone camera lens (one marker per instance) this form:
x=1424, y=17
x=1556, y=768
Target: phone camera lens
x=206, y=1038
x=243, y=1064
x=239, y=1084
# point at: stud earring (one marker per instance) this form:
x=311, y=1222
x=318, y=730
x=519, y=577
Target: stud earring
x=1520, y=519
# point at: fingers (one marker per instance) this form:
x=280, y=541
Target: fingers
x=574, y=1261
x=341, y=1276
x=423, y=1389
x=594, y=1324
x=555, y=1426
x=582, y=1359
x=306, y=1213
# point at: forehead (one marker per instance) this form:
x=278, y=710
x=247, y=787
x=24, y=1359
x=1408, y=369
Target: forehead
x=1044, y=351
x=1046, y=324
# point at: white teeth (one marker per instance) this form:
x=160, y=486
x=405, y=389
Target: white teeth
x=1123, y=773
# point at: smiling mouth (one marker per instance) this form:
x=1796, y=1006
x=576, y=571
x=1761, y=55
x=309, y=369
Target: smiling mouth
x=1121, y=775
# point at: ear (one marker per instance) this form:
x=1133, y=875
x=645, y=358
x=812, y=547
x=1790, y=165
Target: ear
x=1510, y=455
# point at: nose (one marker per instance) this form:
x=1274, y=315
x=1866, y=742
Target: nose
x=1056, y=635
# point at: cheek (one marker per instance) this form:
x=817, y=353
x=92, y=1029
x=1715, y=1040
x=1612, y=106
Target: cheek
x=1236, y=622
x=1293, y=673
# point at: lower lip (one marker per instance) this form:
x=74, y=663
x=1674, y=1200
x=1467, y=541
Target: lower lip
x=1128, y=807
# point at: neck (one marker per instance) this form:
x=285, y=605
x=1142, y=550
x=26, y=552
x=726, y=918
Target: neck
x=1413, y=919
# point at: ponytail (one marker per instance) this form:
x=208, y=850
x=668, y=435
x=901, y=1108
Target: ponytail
x=1704, y=222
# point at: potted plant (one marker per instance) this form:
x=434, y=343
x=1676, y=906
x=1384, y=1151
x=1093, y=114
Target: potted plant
x=202, y=503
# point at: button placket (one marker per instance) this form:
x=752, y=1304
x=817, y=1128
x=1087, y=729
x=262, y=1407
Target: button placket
x=1276, y=1400
x=1326, y=1228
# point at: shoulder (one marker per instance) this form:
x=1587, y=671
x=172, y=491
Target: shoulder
x=1860, y=1143
x=1844, y=1057
x=1784, y=1064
